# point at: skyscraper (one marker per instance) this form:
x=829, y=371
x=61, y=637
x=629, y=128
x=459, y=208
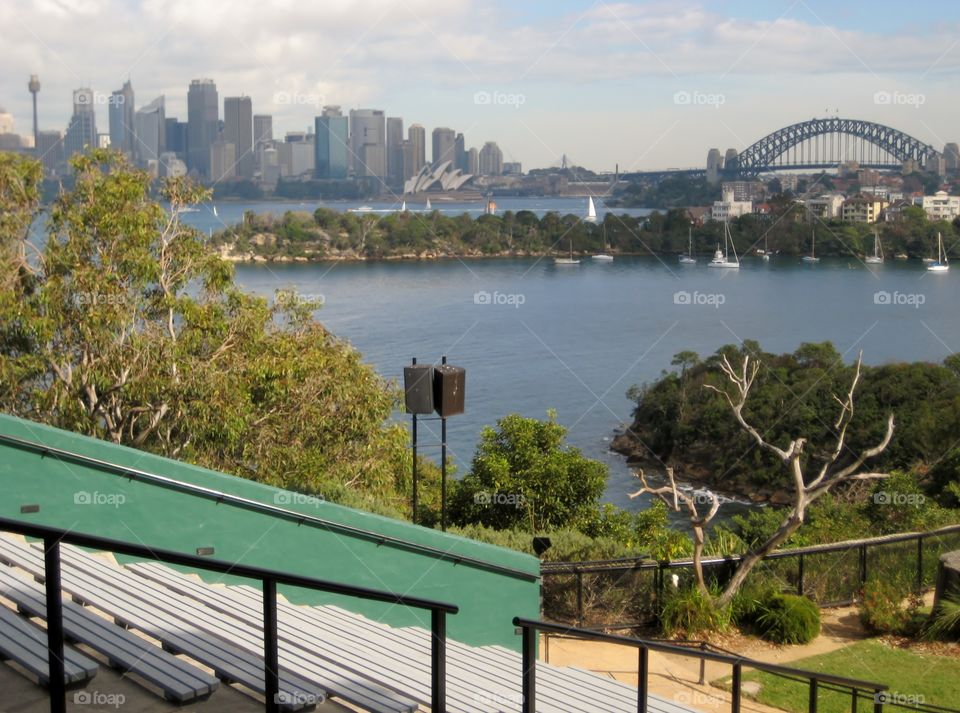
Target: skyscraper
x=395, y=175
x=332, y=151
x=82, y=130
x=491, y=159
x=120, y=115
x=223, y=160
x=50, y=150
x=417, y=136
x=176, y=138
x=473, y=162
x=368, y=144
x=238, y=130
x=460, y=153
x=262, y=129
x=151, y=132
x=203, y=115
x=444, y=145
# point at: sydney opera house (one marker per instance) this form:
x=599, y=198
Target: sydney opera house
x=441, y=178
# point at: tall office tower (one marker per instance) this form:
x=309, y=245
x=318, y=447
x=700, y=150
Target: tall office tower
x=730, y=159
x=82, y=130
x=262, y=129
x=473, y=162
x=176, y=137
x=223, y=160
x=238, y=130
x=34, y=86
x=6, y=122
x=951, y=155
x=444, y=145
x=203, y=116
x=460, y=153
x=407, y=154
x=150, y=125
x=121, y=116
x=332, y=159
x=50, y=150
x=491, y=159
x=368, y=144
x=417, y=136
x=395, y=175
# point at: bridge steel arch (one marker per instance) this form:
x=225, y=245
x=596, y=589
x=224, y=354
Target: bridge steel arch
x=762, y=155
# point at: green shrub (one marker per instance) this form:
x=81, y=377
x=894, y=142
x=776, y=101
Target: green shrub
x=747, y=603
x=788, y=619
x=945, y=621
x=882, y=608
x=688, y=613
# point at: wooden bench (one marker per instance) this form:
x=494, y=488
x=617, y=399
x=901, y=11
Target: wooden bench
x=25, y=643
x=178, y=680
x=230, y=663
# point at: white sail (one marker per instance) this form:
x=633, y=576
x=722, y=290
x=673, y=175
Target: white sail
x=941, y=264
x=428, y=204
x=215, y=211
x=403, y=207
x=591, y=209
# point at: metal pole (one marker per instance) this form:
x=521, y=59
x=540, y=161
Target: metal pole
x=529, y=670
x=51, y=569
x=271, y=653
x=854, y=702
x=735, y=700
x=703, y=665
x=643, y=667
x=443, y=467
x=919, y=563
x=414, y=434
x=812, y=706
x=579, y=599
x=438, y=661
x=800, y=577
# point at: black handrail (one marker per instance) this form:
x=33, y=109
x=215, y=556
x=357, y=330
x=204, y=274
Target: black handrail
x=532, y=626
x=52, y=537
x=257, y=506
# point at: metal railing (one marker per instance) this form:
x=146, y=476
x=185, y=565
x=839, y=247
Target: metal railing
x=798, y=568
x=815, y=680
x=52, y=537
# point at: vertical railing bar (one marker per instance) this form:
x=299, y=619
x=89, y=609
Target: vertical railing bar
x=438, y=661
x=812, y=705
x=579, y=598
x=735, y=693
x=529, y=670
x=854, y=702
x=800, y=576
x=920, y=563
x=271, y=652
x=55, y=666
x=643, y=670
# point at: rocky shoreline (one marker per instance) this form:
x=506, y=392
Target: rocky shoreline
x=692, y=474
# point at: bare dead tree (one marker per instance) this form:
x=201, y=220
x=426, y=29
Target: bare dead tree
x=806, y=487
x=674, y=499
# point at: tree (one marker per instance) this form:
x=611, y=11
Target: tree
x=129, y=328
x=523, y=476
x=807, y=487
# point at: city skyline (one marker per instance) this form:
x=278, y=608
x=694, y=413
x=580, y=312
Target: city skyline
x=603, y=83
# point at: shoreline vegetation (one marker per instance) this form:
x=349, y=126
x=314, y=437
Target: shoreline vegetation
x=329, y=235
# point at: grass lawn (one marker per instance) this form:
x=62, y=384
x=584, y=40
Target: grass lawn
x=909, y=676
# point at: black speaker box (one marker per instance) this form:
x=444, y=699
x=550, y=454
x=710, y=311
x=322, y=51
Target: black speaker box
x=418, y=388
x=448, y=386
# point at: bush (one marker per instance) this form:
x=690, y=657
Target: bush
x=945, y=622
x=882, y=609
x=788, y=619
x=688, y=613
x=747, y=603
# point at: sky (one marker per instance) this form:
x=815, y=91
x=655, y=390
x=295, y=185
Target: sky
x=634, y=85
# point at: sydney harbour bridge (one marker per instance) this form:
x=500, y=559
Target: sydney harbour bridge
x=820, y=144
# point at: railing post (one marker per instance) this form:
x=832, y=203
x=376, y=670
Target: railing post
x=643, y=668
x=703, y=665
x=800, y=576
x=51, y=570
x=877, y=702
x=812, y=706
x=438, y=661
x=863, y=566
x=529, y=670
x=854, y=700
x=271, y=651
x=579, y=598
x=735, y=692
x=920, y=563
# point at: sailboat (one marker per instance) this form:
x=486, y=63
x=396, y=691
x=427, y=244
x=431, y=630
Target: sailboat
x=689, y=259
x=721, y=258
x=591, y=210
x=567, y=260
x=403, y=207
x=491, y=208
x=604, y=256
x=877, y=256
x=812, y=257
x=941, y=264
x=765, y=252
x=215, y=213
x=429, y=207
